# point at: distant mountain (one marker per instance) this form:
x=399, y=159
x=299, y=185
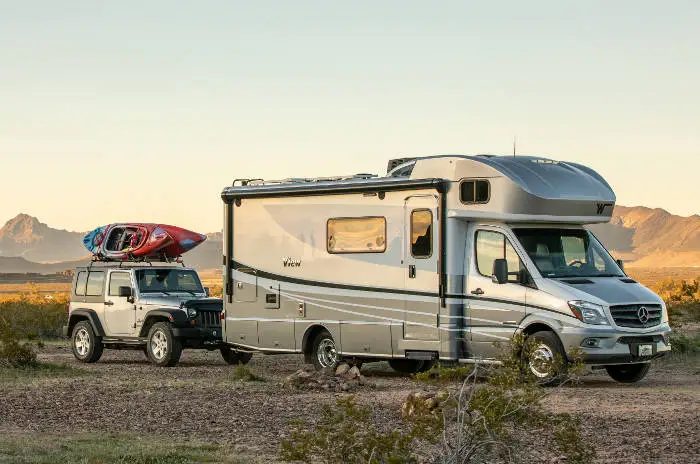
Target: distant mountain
x=24, y=236
x=647, y=237
x=639, y=235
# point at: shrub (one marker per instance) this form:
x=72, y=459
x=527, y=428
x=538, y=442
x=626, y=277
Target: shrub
x=346, y=433
x=12, y=352
x=444, y=374
x=243, y=373
x=35, y=317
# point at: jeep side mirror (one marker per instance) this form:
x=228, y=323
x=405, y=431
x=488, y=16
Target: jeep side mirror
x=125, y=292
x=500, y=271
x=206, y=291
x=620, y=264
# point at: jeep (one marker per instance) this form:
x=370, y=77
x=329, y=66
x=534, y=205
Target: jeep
x=159, y=309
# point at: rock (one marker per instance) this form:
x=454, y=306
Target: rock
x=352, y=374
x=342, y=370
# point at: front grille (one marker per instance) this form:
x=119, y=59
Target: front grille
x=640, y=339
x=628, y=315
x=208, y=319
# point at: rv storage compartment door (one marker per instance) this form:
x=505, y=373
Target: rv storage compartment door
x=245, y=285
x=420, y=263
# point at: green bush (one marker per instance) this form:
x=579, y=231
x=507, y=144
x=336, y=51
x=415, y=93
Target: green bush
x=243, y=373
x=444, y=374
x=12, y=352
x=34, y=319
x=346, y=433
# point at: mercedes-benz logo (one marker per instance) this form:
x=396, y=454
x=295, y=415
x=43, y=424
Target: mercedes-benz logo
x=643, y=314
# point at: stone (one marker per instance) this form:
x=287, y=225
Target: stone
x=342, y=370
x=353, y=373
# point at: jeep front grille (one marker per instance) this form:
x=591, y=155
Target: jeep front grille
x=636, y=315
x=208, y=319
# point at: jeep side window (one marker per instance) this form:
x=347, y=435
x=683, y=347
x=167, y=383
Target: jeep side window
x=80, y=283
x=95, y=283
x=118, y=279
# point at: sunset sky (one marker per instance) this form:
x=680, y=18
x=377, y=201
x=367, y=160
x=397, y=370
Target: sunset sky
x=144, y=111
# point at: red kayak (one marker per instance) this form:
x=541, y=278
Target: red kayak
x=135, y=241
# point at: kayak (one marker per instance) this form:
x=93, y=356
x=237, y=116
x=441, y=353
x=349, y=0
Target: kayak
x=140, y=241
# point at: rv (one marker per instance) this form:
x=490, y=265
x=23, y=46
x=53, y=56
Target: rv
x=442, y=259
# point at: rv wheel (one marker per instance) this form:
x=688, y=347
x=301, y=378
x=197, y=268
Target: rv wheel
x=628, y=373
x=235, y=357
x=544, y=358
x=324, y=352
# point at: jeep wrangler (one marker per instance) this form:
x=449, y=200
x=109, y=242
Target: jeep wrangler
x=160, y=309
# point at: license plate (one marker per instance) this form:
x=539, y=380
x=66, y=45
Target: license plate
x=645, y=350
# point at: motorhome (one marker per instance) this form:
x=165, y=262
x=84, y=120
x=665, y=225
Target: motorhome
x=443, y=258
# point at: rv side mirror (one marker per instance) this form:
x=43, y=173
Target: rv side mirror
x=620, y=264
x=206, y=291
x=500, y=271
x=125, y=292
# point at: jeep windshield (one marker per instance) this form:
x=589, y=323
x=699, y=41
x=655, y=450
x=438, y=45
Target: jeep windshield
x=168, y=281
x=567, y=253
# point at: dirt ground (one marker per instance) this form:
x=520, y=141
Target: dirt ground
x=656, y=420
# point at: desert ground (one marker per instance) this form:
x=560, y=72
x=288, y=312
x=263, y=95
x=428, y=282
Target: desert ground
x=198, y=412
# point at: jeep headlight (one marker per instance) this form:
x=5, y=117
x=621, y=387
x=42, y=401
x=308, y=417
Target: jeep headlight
x=588, y=312
x=192, y=312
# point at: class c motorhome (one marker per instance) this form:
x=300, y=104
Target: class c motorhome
x=437, y=260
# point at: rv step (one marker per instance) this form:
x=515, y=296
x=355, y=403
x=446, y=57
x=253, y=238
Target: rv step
x=422, y=355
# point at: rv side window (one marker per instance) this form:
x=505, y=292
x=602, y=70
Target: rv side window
x=494, y=245
x=95, y=283
x=80, y=283
x=421, y=233
x=475, y=191
x=356, y=235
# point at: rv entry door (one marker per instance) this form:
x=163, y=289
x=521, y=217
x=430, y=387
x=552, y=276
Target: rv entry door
x=420, y=262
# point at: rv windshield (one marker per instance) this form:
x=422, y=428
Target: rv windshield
x=168, y=281
x=567, y=253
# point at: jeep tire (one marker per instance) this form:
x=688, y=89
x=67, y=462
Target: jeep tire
x=235, y=357
x=87, y=347
x=164, y=349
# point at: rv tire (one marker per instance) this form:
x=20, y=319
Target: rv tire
x=628, y=373
x=235, y=357
x=324, y=353
x=544, y=358
x=410, y=366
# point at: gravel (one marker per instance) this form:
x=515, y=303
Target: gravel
x=656, y=420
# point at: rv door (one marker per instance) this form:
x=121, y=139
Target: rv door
x=421, y=278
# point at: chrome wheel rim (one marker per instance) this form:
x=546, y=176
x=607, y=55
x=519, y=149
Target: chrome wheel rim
x=542, y=361
x=82, y=342
x=327, y=353
x=159, y=344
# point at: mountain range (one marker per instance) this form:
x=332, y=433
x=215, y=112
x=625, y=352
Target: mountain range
x=643, y=237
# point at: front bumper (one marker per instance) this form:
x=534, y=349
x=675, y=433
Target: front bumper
x=199, y=333
x=615, y=346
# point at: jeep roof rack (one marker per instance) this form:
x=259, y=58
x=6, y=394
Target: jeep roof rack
x=127, y=263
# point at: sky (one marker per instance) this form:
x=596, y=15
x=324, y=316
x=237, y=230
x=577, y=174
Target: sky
x=145, y=110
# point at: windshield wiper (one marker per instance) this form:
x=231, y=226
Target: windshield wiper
x=187, y=291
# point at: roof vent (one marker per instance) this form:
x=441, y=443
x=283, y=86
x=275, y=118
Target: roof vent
x=397, y=162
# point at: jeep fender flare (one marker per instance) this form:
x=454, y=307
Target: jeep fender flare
x=176, y=317
x=82, y=314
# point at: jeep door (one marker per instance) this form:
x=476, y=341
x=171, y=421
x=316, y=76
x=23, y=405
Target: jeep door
x=120, y=314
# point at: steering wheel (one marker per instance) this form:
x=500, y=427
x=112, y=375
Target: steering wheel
x=577, y=263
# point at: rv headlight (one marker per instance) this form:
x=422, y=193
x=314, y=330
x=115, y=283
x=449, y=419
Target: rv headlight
x=590, y=313
x=192, y=312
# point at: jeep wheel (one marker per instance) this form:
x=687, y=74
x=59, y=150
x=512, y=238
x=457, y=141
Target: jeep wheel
x=164, y=349
x=324, y=352
x=87, y=347
x=544, y=358
x=410, y=366
x=235, y=357
x=628, y=373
